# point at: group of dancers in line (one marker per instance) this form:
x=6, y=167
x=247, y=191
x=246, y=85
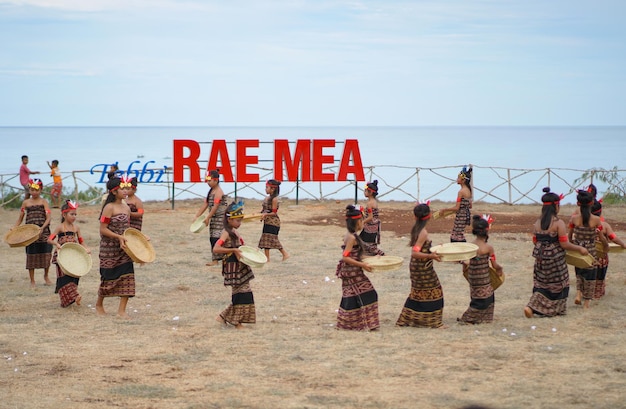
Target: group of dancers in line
x=358, y=308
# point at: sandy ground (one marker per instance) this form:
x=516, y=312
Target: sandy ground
x=173, y=354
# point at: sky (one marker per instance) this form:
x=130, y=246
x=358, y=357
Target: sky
x=312, y=63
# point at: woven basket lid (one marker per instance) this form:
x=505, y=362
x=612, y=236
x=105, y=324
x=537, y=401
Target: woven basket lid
x=198, y=225
x=384, y=263
x=22, y=235
x=455, y=251
x=74, y=260
x=252, y=256
x=138, y=247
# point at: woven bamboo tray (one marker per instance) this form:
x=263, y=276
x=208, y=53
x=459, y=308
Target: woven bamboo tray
x=455, y=251
x=74, y=260
x=22, y=235
x=576, y=259
x=384, y=263
x=252, y=256
x=496, y=280
x=198, y=225
x=138, y=247
x=613, y=248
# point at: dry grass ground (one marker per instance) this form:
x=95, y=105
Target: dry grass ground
x=173, y=354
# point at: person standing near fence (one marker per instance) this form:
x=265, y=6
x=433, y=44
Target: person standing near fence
x=462, y=206
x=371, y=224
x=424, y=305
x=57, y=184
x=217, y=202
x=37, y=211
x=550, y=271
x=603, y=256
x=271, y=222
x=25, y=173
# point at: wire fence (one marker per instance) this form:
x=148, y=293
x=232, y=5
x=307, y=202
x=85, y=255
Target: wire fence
x=401, y=183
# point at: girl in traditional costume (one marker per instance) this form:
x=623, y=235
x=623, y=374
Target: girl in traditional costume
x=584, y=229
x=271, y=221
x=370, y=235
x=603, y=256
x=216, y=201
x=136, y=206
x=482, y=297
x=550, y=272
x=117, y=273
x=36, y=211
x=462, y=206
x=424, y=305
x=236, y=274
x=358, y=309
x=67, y=232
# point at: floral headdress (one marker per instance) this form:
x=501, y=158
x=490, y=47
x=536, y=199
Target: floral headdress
x=489, y=220
x=71, y=205
x=35, y=184
x=126, y=182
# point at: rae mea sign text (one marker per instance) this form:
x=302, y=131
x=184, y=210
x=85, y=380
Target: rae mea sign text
x=305, y=164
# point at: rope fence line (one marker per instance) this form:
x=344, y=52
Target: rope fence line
x=490, y=184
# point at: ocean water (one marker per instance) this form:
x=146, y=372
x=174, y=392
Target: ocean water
x=410, y=163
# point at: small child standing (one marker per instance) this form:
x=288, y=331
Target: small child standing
x=67, y=232
x=358, y=309
x=57, y=187
x=271, y=221
x=136, y=206
x=482, y=297
x=37, y=211
x=236, y=274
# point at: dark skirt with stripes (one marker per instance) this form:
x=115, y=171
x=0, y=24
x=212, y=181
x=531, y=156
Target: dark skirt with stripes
x=237, y=275
x=481, y=292
x=39, y=253
x=461, y=221
x=424, y=305
x=370, y=235
x=358, y=309
x=66, y=286
x=271, y=228
x=586, y=277
x=117, y=273
x=550, y=277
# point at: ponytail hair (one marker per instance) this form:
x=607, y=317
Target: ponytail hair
x=422, y=214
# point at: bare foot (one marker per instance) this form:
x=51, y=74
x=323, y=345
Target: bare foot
x=220, y=320
x=123, y=315
x=79, y=299
x=285, y=257
x=33, y=285
x=586, y=304
x=100, y=310
x=528, y=312
x=48, y=282
x=212, y=263
x=240, y=326
x=577, y=301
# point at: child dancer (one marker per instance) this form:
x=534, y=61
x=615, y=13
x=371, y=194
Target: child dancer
x=216, y=201
x=67, y=232
x=583, y=228
x=359, y=301
x=371, y=224
x=117, y=274
x=424, y=305
x=271, y=221
x=236, y=274
x=481, y=292
x=462, y=207
x=550, y=272
x=603, y=256
x=37, y=211
x=136, y=206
